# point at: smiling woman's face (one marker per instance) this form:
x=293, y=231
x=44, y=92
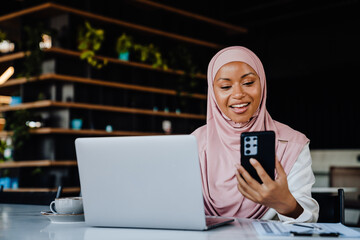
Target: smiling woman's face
x=237, y=91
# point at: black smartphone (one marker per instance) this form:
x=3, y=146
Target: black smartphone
x=261, y=146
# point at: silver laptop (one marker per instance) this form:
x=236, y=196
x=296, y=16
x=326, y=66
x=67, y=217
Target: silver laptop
x=142, y=182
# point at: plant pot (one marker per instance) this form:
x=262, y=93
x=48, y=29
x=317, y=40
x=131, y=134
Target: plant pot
x=15, y=100
x=76, y=123
x=124, y=56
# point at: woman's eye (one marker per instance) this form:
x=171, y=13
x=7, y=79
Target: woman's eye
x=225, y=87
x=248, y=83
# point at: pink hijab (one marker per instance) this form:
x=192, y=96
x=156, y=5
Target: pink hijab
x=219, y=143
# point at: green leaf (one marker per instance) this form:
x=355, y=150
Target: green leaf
x=92, y=62
x=88, y=34
x=87, y=54
x=137, y=47
x=99, y=32
x=97, y=46
x=87, y=25
x=82, y=46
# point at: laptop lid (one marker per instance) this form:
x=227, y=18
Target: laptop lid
x=141, y=182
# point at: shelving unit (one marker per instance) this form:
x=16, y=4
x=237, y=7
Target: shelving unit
x=39, y=163
x=51, y=9
x=72, y=190
x=81, y=132
x=75, y=79
x=134, y=97
x=193, y=16
x=47, y=103
x=13, y=56
x=117, y=61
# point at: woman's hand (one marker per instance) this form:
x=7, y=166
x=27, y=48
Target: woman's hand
x=273, y=194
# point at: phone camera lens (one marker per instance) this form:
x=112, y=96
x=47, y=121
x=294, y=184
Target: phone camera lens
x=248, y=151
x=247, y=139
x=247, y=145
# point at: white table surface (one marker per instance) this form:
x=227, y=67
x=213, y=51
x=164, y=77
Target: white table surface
x=332, y=189
x=25, y=222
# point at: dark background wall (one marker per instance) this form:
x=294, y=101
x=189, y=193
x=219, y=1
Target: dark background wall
x=310, y=51
x=312, y=60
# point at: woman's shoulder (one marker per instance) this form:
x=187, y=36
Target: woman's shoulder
x=201, y=135
x=286, y=133
x=200, y=131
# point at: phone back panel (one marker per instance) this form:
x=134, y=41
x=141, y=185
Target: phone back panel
x=261, y=146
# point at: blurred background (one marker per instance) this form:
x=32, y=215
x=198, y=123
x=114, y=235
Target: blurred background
x=109, y=68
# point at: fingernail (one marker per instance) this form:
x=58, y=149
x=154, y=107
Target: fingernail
x=252, y=160
x=237, y=165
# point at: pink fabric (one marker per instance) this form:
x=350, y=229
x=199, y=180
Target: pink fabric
x=219, y=143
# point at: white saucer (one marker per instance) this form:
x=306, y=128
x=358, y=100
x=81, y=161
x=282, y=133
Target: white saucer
x=63, y=218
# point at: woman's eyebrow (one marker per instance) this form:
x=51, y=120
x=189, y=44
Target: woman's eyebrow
x=243, y=76
x=247, y=74
x=227, y=79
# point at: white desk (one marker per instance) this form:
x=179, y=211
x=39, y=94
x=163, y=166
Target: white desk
x=333, y=189
x=26, y=222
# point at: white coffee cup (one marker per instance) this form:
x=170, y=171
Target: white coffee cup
x=67, y=205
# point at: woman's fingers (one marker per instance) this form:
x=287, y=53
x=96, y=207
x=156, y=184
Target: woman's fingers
x=279, y=169
x=273, y=194
x=265, y=178
x=248, y=178
x=245, y=194
x=243, y=185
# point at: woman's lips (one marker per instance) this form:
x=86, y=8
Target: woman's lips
x=239, y=108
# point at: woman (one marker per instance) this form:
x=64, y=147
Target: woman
x=236, y=104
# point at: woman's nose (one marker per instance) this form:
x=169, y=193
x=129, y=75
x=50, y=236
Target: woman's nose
x=238, y=92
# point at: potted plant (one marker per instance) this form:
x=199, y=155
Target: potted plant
x=146, y=53
x=181, y=58
x=90, y=40
x=6, y=46
x=33, y=61
x=3, y=146
x=2, y=35
x=124, y=44
x=151, y=54
x=17, y=124
x=158, y=61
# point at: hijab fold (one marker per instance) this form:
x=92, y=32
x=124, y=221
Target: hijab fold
x=219, y=143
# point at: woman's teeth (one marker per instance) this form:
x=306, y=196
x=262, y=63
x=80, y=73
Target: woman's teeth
x=239, y=105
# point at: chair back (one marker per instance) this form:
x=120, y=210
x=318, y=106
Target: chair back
x=346, y=177
x=331, y=206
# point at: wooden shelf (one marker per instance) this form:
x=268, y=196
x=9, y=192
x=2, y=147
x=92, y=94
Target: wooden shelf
x=38, y=163
x=191, y=15
x=91, y=132
x=52, y=7
x=4, y=134
x=72, y=53
x=49, y=103
x=13, y=56
x=118, y=61
x=64, y=190
x=67, y=78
